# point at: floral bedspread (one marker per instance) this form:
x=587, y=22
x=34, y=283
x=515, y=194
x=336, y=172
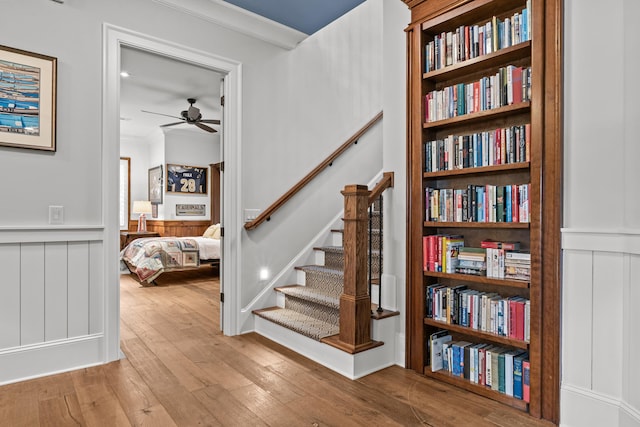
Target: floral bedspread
x=149, y=257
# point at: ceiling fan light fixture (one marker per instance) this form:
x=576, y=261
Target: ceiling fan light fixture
x=190, y=116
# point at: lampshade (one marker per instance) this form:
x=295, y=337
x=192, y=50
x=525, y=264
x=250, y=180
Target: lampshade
x=142, y=207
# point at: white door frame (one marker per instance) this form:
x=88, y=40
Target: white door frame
x=114, y=38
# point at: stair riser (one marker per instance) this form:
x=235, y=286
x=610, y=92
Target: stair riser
x=318, y=311
x=330, y=282
x=335, y=260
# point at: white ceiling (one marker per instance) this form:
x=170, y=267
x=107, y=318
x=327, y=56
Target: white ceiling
x=162, y=84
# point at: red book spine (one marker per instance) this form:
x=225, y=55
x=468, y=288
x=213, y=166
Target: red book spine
x=515, y=207
x=498, y=144
x=519, y=320
x=481, y=365
x=526, y=375
x=512, y=319
x=503, y=146
x=439, y=253
x=476, y=96
x=432, y=253
x=527, y=141
x=425, y=253
x=516, y=78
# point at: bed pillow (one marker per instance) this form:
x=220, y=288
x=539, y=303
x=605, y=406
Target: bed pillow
x=212, y=231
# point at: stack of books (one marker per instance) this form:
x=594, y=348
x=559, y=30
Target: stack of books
x=517, y=265
x=472, y=261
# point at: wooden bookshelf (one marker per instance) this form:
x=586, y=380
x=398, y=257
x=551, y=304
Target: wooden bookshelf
x=542, y=170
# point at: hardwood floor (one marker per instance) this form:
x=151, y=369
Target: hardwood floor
x=181, y=371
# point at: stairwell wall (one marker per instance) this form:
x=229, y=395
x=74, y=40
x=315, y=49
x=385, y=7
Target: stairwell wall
x=311, y=100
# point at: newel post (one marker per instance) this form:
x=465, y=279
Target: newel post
x=355, y=302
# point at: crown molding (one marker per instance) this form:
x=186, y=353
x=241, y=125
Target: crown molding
x=240, y=20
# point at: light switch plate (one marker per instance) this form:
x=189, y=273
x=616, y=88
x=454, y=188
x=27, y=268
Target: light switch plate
x=56, y=214
x=251, y=214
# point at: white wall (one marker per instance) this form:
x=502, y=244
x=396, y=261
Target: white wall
x=309, y=101
x=186, y=147
x=396, y=17
x=297, y=107
x=601, y=238
x=73, y=176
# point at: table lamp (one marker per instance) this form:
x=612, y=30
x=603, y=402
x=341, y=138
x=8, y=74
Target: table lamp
x=142, y=207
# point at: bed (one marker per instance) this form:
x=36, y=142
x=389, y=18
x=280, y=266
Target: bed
x=149, y=257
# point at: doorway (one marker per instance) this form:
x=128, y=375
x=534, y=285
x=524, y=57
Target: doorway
x=115, y=40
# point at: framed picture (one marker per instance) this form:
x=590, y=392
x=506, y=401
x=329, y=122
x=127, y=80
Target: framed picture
x=155, y=185
x=186, y=179
x=190, y=210
x=27, y=99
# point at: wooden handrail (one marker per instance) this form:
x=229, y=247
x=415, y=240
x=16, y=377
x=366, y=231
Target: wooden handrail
x=386, y=182
x=266, y=214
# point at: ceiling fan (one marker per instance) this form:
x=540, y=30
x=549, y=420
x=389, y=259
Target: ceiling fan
x=190, y=116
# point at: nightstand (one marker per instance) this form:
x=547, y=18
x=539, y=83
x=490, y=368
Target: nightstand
x=127, y=237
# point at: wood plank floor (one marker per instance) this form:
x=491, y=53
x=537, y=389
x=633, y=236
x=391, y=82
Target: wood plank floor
x=181, y=371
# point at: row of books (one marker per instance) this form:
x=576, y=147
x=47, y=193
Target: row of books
x=510, y=85
x=505, y=260
x=488, y=148
x=483, y=311
x=479, y=203
x=502, y=369
x=470, y=41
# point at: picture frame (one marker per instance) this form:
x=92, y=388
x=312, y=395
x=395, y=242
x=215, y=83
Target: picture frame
x=187, y=179
x=190, y=210
x=27, y=99
x=155, y=185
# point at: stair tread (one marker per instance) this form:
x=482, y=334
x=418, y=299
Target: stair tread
x=335, y=249
x=320, y=268
x=318, y=296
x=298, y=322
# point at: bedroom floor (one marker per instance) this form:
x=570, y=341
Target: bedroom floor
x=181, y=371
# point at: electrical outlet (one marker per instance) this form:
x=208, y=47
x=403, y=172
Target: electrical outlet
x=251, y=214
x=56, y=214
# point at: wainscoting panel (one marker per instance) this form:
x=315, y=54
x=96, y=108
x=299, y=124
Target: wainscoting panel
x=31, y=293
x=55, y=291
x=607, y=323
x=78, y=291
x=96, y=288
x=10, y=296
x=51, y=301
x=600, y=338
x=577, y=321
x=632, y=336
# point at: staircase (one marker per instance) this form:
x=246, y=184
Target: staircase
x=307, y=314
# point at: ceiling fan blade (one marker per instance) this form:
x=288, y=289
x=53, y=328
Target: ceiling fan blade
x=171, y=124
x=160, y=114
x=212, y=121
x=205, y=127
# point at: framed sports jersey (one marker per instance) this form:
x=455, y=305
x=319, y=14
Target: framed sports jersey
x=186, y=179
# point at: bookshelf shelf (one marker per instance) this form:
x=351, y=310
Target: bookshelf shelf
x=488, y=225
x=462, y=72
x=479, y=279
x=480, y=116
x=475, y=388
x=482, y=170
x=477, y=333
x=521, y=51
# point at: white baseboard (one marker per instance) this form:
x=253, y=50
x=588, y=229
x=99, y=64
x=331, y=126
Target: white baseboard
x=585, y=408
x=33, y=361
